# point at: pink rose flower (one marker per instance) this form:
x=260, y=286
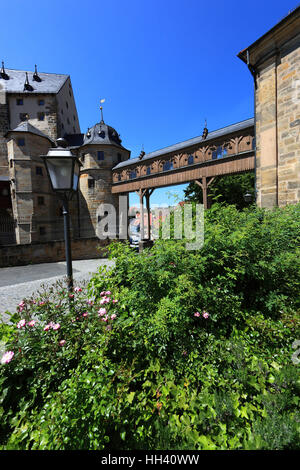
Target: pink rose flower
x=47, y=327
x=21, y=323
x=108, y=292
x=62, y=342
x=205, y=315
x=56, y=326
x=31, y=323
x=77, y=289
x=102, y=312
x=197, y=314
x=7, y=357
x=85, y=314
x=115, y=301
x=102, y=294
x=113, y=316
x=42, y=303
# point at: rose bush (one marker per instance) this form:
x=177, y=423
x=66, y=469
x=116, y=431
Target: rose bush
x=168, y=349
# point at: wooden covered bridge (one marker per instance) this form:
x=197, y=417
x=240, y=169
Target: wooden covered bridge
x=229, y=150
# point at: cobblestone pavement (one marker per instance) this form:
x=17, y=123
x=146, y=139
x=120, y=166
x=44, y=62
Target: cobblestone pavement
x=19, y=282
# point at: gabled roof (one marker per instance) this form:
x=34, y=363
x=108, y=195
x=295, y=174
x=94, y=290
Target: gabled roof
x=47, y=82
x=27, y=127
x=188, y=143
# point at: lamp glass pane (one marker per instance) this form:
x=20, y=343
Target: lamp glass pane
x=76, y=175
x=60, y=171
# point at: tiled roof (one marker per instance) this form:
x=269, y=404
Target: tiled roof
x=47, y=83
x=27, y=127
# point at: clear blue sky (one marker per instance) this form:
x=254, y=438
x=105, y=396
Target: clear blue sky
x=162, y=66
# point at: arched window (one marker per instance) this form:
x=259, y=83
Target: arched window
x=190, y=160
x=168, y=165
x=132, y=175
x=148, y=170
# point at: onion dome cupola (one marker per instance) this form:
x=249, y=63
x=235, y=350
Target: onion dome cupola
x=102, y=134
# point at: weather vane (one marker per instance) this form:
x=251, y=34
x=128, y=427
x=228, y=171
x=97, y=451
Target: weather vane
x=101, y=109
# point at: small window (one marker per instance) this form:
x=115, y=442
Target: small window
x=41, y=102
x=119, y=157
x=41, y=116
x=91, y=183
x=39, y=170
x=100, y=155
x=42, y=230
x=70, y=93
x=168, y=166
x=148, y=171
x=190, y=160
x=74, y=118
x=119, y=177
x=19, y=101
x=67, y=105
x=253, y=143
x=21, y=142
x=132, y=174
x=41, y=200
x=23, y=117
x=11, y=163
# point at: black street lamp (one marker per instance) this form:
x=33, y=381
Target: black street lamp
x=247, y=197
x=63, y=172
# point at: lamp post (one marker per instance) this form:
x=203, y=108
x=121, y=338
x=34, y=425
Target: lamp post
x=63, y=172
x=247, y=197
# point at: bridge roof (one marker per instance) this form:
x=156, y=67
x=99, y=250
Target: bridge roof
x=188, y=143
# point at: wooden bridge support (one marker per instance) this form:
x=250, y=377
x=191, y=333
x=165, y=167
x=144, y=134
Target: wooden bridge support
x=204, y=184
x=147, y=193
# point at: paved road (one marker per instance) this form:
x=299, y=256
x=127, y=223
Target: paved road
x=20, y=282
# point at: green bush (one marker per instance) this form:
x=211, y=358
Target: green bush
x=196, y=353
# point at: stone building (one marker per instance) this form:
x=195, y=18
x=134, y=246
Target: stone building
x=274, y=61
x=35, y=109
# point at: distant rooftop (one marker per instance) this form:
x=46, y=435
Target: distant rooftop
x=14, y=81
x=27, y=127
x=188, y=143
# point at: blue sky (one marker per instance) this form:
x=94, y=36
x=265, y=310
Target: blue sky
x=162, y=66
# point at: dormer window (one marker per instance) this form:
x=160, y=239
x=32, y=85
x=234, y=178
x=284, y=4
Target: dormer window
x=19, y=101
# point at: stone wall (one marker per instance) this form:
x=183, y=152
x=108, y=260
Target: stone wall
x=50, y=252
x=278, y=127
